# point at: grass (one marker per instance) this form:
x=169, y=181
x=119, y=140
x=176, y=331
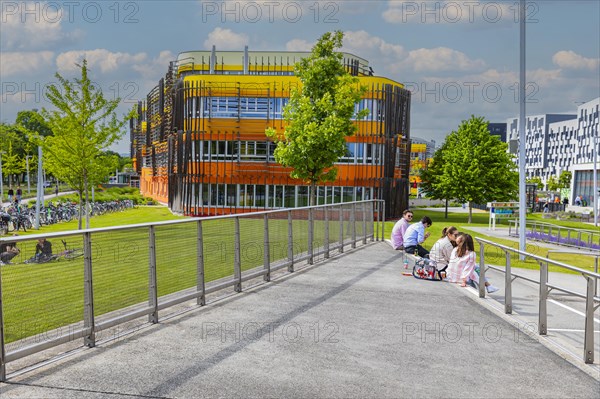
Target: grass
x=496, y=256
x=42, y=297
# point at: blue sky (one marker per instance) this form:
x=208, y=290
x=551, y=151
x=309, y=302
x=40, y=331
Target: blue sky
x=457, y=57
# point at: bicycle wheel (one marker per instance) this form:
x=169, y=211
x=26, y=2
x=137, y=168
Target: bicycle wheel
x=74, y=253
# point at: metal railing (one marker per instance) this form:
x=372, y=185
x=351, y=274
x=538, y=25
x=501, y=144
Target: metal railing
x=129, y=272
x=591, y=300
x=551, y=233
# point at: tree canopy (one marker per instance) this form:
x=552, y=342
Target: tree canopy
x=318, y=115
x=472, y=166
x=84, y=125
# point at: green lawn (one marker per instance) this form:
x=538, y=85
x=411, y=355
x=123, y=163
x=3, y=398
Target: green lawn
x=42, y=297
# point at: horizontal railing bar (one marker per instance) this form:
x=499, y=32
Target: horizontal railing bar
x=174, y=222
x=537, y=282
x=180, y=299
x=103, y=325
x=539, y=258
x=255, y=274
x=221, y=286
x=35, y=348
x=554, y=226
x=577, y=294
x=280, y=266
x=513, y=274
x=582, y=252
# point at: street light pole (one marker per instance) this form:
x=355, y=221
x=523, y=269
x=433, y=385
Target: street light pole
x=1, y=179
x=595, y=176
x=28, y=181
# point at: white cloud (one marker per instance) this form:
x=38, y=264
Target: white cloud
x=102, y=59
x=298, y=45
x=362, y=42
x=571, y=60
x=437, y=60
x=226, y=39
x=451, y=12
x=40, y=29
x=156, y=68
x=15, y=63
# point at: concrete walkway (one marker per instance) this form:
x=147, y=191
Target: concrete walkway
x=352, y=326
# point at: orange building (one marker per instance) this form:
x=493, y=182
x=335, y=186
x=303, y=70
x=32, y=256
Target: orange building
x=199, y=141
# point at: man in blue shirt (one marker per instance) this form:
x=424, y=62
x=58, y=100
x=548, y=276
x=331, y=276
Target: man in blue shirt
x=415, y=235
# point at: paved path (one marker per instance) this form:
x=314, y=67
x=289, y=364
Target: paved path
x=352, y=326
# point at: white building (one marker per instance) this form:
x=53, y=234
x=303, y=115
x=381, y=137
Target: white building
x=559, y=142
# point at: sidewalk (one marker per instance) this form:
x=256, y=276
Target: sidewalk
x=350, y=327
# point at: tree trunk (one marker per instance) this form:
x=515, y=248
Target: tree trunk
x=87, y=201
x=470, y=212
x=446, y=212
x=313, y=193
x=80, y=209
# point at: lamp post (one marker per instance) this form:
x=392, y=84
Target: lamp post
x=1, y=179
x=28, y=181
x=596, y=177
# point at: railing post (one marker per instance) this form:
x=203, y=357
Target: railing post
x=364, y=218
x=2, y=349
x=88, y=292
x=341, y=212
x=267, y=252
x=595, y=279
x=481, y=270
x=353, y=224
x=588, y=355
x=543, y=310
x=326, y=238
x=371, y=220
x=507, y=286
x=152, y=289
x=311, y=236
x=290, y=243
x=237, y=263
x=200, y=281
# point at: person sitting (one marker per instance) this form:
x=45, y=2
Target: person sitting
x=43, y=250
x=462, y=265
x=415, y=235
x=442, y=249
x=8, y=251
x=399, y=229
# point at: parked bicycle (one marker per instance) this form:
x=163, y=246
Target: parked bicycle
x=43, y=256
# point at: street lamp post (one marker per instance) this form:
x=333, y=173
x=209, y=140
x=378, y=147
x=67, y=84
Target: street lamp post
x=1, y=179
x=596, y=177
x=28, y=181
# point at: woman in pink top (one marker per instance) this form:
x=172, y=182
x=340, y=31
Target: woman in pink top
x=462, y=261
x=462, y=265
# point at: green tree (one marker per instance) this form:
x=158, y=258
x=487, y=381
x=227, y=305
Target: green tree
x=84, y=125
x=536, y=180
x=552, y=183
x=318, y=115
x=473, y=167
x=13, y=142
x=32, y=121
x=564, y=180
